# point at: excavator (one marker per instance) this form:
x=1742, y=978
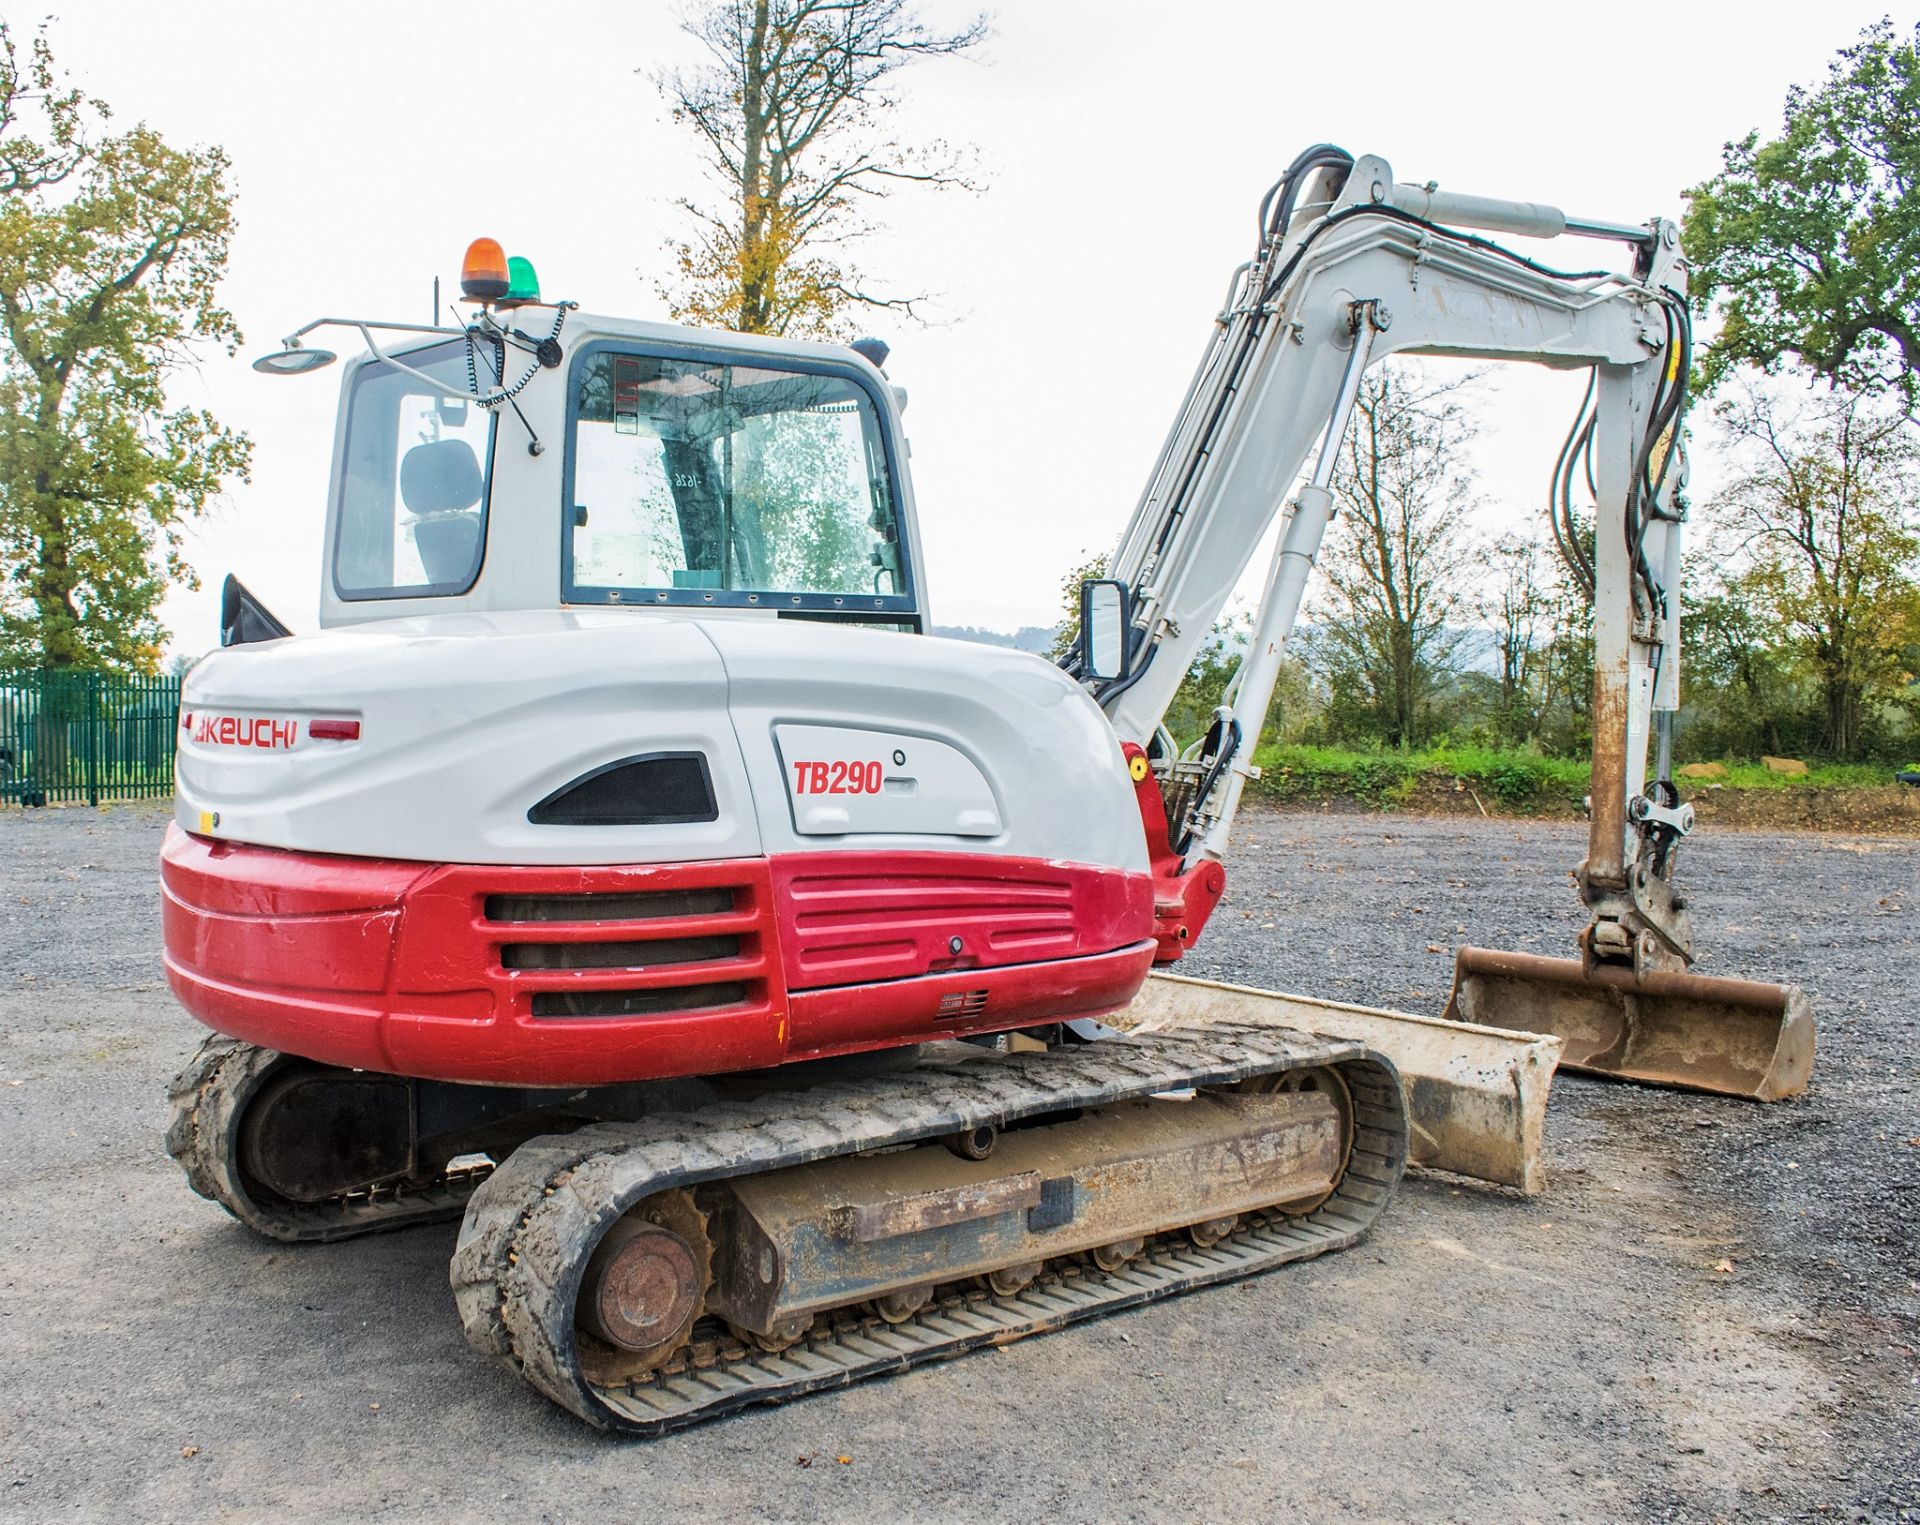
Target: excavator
x=767, y=984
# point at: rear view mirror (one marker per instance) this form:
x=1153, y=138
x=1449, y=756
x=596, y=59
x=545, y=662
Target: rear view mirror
x=1104, y=653
x=243, y=618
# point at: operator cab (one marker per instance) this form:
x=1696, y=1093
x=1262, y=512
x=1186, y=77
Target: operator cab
x=543, y=458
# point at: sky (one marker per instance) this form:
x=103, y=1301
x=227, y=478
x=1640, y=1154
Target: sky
x=1124, y=146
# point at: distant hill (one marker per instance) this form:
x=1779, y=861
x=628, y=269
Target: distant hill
x=1034, y=638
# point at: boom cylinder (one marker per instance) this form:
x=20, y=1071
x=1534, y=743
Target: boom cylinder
x=1530, y=219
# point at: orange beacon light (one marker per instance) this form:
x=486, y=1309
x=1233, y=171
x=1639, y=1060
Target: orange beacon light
x=483, y=273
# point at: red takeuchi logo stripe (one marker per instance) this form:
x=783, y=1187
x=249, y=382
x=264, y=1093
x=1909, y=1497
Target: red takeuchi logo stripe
x=245, y=731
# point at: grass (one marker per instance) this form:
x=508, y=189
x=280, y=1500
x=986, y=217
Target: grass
x=1751, y=775
x=1516, y=780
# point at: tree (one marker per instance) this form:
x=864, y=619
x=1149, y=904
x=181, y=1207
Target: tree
x=1564, y=725
x=1517, y=604
x=1811, y=241
x=1386, y=637
x=789, y=118
x=111, y=248
x=1824, y=503
x=1066, y=634
x=1735, y=669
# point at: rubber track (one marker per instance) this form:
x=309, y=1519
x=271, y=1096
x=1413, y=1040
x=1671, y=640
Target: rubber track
x=531, y=1227
x=205, y=1104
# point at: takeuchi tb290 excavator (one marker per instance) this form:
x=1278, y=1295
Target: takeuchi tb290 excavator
x=621, y=861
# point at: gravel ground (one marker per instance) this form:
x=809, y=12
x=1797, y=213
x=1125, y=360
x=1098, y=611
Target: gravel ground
x=1573, y=1356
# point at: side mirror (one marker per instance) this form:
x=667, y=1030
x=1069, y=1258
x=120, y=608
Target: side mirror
x=243, y=618
x=1104, y=622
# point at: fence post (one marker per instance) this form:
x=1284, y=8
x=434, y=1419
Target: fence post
x=41, y=738
x=90, y=689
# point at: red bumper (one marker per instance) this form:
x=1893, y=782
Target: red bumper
x=529, y=975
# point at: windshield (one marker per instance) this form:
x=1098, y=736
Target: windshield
x=697, y=481
x=413, y=492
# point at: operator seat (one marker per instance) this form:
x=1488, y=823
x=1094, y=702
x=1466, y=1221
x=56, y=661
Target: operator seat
x=440, y=484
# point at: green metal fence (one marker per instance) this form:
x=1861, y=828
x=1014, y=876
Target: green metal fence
x=90, y=736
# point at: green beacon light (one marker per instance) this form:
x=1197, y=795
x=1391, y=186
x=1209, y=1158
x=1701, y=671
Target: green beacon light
x=523, y=285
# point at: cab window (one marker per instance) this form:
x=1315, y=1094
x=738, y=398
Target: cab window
x=699, y=481
x=412, y=515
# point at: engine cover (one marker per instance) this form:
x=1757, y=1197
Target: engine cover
x=439, y=739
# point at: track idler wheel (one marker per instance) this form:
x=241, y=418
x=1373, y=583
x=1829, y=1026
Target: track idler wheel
x=644, y=1288
x=300, y=1152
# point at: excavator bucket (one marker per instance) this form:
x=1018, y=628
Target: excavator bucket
x=1695, y=1032
x=1476, y=1096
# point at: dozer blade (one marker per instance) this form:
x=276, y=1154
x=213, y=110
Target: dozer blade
x=1476, y=1096
x=1692, y=1031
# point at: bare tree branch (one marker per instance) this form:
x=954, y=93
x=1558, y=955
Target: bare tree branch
x=786, y=115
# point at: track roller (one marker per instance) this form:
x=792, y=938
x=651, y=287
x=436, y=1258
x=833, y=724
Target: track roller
x=1110, y=1257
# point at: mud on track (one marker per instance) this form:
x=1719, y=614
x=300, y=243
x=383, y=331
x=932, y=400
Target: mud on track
x=1574, y=1356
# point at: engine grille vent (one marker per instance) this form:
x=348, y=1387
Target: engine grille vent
x=636, y=1003
x=618, y=955
x=660, y=789
x=646, y=906
x=570, y=952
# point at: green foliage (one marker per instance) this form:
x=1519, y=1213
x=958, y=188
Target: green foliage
x=1819, y=775
x=1067, y=632
x=1813, y=615
x=1204, y=688
x=1804, y=636
x=1744, y=695
x=1388, y=779
x=1302, y=774
x=1811, y=241
x=1515, y=781
x=111, y=249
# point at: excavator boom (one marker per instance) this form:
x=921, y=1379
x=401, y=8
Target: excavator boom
x=1352, y=268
